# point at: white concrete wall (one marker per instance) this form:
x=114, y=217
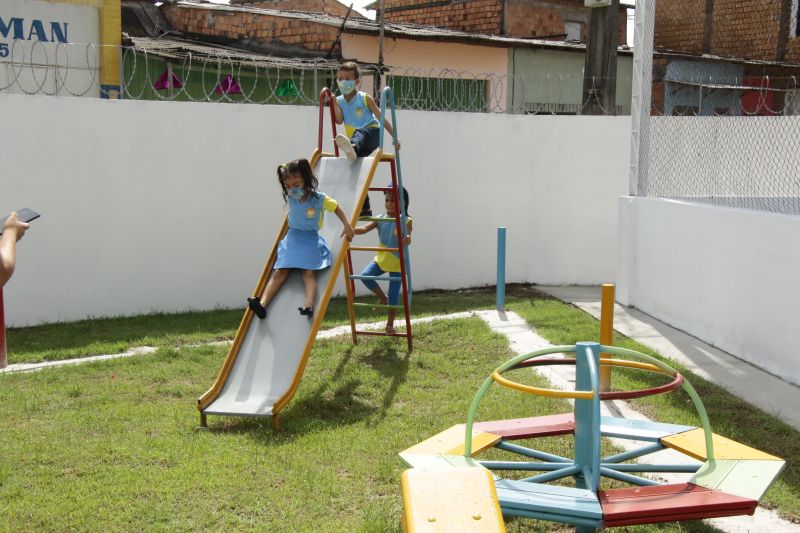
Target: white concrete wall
x=727, y=276
x=171, y=206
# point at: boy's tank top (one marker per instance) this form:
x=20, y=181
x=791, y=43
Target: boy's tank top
x=356, y=113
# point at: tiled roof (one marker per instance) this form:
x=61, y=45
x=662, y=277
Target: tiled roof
x=183, y=50
x=143, y=19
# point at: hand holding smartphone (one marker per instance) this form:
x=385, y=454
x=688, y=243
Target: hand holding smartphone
x=23, y=215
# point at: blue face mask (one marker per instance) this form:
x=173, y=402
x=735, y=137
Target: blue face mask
x=347, y=86
x=296, y=192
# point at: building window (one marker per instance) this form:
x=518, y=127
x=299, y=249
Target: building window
x=794, y=30
x=574, y=30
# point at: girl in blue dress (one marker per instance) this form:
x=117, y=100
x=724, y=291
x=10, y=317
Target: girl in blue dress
x=303, y=248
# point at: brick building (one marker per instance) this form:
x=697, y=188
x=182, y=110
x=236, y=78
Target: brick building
x=764, y=30
x=300, y=31
x=708, y=56
x=527, y=19
x=429, y=67
x=329, y=7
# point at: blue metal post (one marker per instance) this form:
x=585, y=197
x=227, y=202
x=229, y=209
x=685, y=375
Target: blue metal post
x=587, y=418
x=387, y=96
x=501, y=269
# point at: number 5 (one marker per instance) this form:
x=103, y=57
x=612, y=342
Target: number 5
x=3, y=50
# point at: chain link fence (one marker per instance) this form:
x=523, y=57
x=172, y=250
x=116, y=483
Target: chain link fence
x=718, y=126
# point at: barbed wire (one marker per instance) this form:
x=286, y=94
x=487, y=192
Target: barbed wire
x=32, y=67
x=73, y=70
x=200, y=76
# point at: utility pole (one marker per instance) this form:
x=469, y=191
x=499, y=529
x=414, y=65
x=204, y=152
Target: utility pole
x=600, y=70
x=379, y=74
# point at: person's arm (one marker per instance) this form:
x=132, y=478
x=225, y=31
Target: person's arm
x=337, y=111
x=377, y=112
x=409, y=227
x=13, y=230
x=365, y=229
x=348, y=229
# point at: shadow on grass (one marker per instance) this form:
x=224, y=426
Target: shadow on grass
x=325, y=407
x=332, y=403
x=390, y=364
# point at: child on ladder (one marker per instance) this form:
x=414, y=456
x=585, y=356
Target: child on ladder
x=303, y=248
x=360, y=115
x=387, y=261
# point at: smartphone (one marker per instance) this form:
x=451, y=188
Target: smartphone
x=24, y=215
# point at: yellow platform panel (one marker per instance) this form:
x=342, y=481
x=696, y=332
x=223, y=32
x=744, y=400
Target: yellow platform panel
x=436, y=462
x=693, y=444
x=460, y=500
x=451, y=442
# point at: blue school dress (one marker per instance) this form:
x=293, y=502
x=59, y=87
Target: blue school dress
x=303, y=247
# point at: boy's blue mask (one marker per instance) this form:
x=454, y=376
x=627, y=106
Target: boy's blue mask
x=347, y=86
x=296, y=192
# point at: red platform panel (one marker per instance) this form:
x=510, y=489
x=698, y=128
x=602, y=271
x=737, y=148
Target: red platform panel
x=669, y=503
x=525, y=428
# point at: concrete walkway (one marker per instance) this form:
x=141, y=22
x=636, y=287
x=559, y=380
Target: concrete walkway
x=32, y=367
x=755, y=386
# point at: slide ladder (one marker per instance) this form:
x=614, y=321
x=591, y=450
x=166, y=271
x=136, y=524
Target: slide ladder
x=400, y=221
x=267, y=358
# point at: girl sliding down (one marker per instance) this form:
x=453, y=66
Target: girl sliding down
x=303, y=248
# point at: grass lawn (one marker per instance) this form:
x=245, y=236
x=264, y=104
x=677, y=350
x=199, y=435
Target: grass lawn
x=115, y=445
x=53, y=342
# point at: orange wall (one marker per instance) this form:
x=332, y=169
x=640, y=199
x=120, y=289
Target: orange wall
x=413, y=58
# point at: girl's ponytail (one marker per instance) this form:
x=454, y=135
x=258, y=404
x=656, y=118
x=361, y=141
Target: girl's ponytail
x=283, y=169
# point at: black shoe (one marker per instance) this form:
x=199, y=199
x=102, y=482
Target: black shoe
x=307, y=311
x=255, y=306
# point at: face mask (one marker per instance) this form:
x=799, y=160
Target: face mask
x=296, y=192
x=347, y=86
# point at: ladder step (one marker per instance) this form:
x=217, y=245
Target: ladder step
x=384, y=189
x=376, y=219
x=378, y=306
x=373, y=249
x=374, y=278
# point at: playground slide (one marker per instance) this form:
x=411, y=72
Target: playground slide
x=267, y=358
